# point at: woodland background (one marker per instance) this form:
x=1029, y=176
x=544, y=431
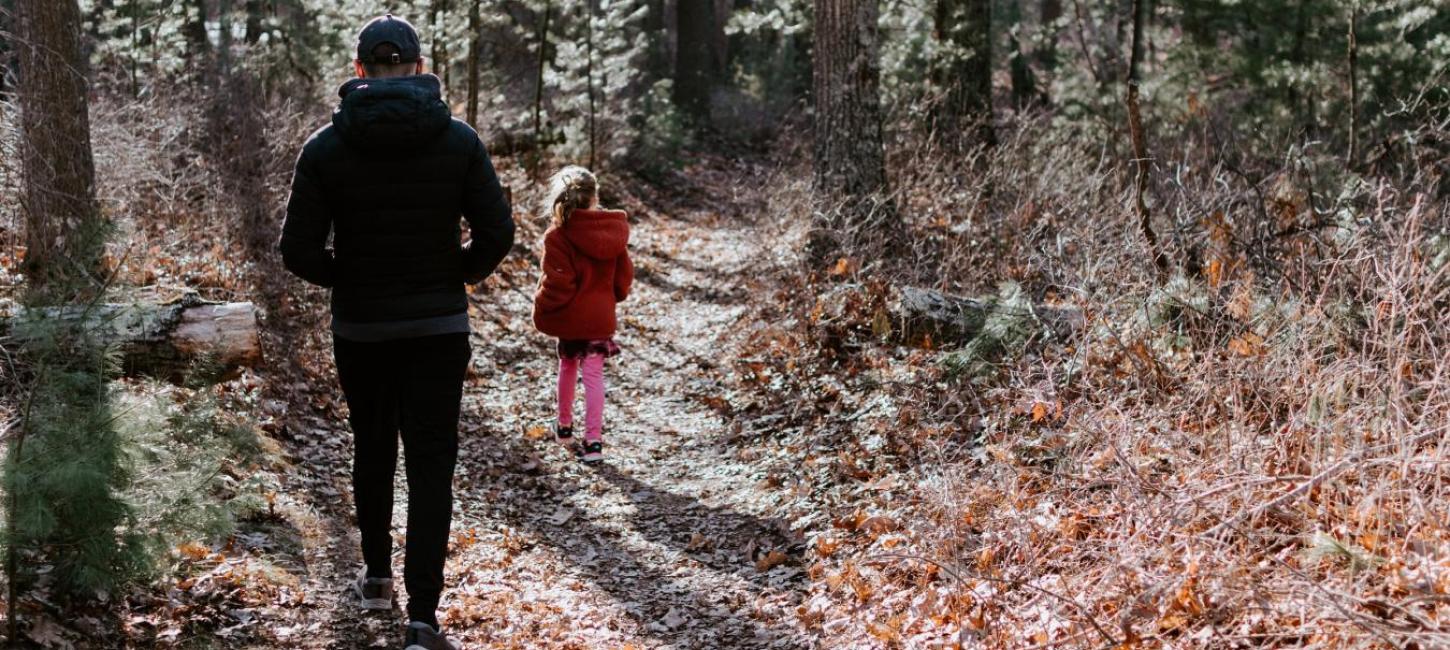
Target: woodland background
x=1070, y=323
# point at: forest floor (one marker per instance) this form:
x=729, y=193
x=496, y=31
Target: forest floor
x=673, y=542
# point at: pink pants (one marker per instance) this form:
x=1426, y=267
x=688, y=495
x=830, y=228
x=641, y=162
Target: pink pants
x=593, y=394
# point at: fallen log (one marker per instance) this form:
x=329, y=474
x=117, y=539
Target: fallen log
x=167, y=341
x=920, y=315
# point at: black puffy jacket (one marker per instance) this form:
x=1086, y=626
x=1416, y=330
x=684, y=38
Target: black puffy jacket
x=389, y=179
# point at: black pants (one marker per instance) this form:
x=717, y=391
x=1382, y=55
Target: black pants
x=412, y=386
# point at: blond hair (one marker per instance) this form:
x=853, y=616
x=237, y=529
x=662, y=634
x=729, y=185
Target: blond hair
x=572, y=188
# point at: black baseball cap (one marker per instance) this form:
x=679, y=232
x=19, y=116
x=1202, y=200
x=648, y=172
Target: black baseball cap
x=392, y=30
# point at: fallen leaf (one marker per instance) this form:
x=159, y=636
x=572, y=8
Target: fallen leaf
x=562, y=515
x=878, y=524
x=1039, y=411
x=698, y=542
x=193, y=550
x=770, y=560
x=45, y=632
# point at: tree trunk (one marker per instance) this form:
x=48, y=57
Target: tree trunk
x=473, y=36
x=963, y=73
x=224, y=40
x=1050, y=13
x=1024, y=82
x=589, y=72
x=1046, y=52
x=437, y=19
x=193, y=29
x=658, y=60
x=7, y=11
x=538, y=148
x=166, y=341
x=695, y=71
x=1140, y=143
x=850, y=169
x=1303, y=104
x=64, y=228
x=254, y=21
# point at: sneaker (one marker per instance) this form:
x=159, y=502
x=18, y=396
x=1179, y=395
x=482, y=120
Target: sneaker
x=422, y=636
x=564, y=435
x=593, y=451
x=375, y=593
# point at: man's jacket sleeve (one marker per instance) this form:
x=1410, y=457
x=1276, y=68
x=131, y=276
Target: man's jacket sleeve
x=490, y=218
x=308, y=223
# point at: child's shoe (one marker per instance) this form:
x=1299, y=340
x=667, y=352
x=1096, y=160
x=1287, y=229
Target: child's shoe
x=593, y=451
x=564, y=435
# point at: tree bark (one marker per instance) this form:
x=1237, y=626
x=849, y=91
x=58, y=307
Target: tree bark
x=7, y=12
x=224, y=40
x=254, y=21
x=589, y=72
x=437, y=18
x=1024, y=82
x=193, y=29
x=695, y=70
x=963, y=73
x=64, y=227
x=538, y=148
x=658, y=60
x=473, y=36
x=1046, y=54
x=165, y=341
x=850, y=169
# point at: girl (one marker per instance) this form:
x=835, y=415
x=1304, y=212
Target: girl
x=586, y=272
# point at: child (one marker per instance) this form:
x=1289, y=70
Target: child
x=586, y=272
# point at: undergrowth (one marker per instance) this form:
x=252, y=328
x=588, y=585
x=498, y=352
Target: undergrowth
x=1248, y=452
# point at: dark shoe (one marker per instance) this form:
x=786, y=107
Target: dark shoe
x=422, y=636
x=564, y=435
x=375, y=593
x=593, y=452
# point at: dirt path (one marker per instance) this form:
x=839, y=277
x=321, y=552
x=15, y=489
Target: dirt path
x=669, y=544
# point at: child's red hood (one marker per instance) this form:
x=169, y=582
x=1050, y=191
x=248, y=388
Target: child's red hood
x=600, y=234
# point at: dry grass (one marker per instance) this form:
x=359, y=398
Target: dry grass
x=1253, y=453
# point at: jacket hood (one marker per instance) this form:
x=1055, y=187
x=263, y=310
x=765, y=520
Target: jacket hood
x=600, y=234
x=397, y=114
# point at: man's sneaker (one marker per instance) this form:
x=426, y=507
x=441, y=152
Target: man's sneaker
x=593, y=451
x=422, y=636
x=564, y=435
x=375, y=593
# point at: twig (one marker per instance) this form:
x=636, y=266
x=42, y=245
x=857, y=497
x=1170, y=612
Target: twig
x=1315, y=481
x=957, y=575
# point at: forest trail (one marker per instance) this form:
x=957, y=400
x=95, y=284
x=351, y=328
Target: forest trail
x=666, y=545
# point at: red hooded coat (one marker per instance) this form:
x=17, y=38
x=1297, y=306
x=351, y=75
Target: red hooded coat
x=586, y=271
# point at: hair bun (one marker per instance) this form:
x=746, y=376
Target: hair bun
x=571, y=188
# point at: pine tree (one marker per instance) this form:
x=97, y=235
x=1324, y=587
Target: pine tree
x=63, y=472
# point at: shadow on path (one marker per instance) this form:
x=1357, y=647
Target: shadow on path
x=609, y=553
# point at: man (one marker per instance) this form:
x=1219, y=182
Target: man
x=388, y=179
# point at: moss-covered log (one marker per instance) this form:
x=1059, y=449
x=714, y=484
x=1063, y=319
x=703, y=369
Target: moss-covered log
x=922, y=314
